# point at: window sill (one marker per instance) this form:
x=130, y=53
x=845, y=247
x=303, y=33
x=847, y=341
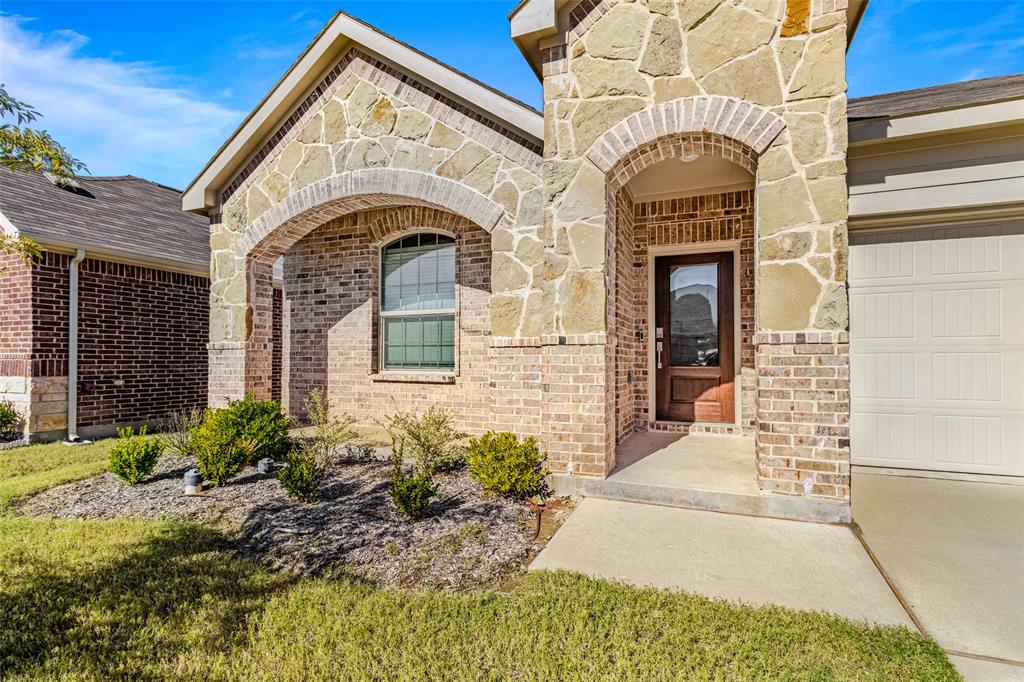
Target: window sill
x=414, y=377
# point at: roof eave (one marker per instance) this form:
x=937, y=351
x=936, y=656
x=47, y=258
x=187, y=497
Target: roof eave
x=341, y=33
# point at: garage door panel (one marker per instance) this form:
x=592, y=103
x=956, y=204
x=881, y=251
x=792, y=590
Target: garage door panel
x=937, y=347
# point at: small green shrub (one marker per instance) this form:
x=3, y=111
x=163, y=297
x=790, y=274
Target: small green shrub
x=134, y=455
x=430, y=439
x=301, y=477
x=242, y=433
x=411, y=494
x=10, y=419
x=330, y=433
x=501, y=463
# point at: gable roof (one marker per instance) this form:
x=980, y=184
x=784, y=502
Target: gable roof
x=338, y=35
x=953, y=95
x=119, y=216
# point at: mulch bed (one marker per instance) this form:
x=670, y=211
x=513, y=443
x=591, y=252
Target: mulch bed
x=469, y=540
x=11, y=439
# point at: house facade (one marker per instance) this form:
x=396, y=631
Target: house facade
x=664, y=248
x=109, y=326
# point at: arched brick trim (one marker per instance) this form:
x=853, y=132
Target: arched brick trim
x=751, y=125
x=301, y=212
x=410, y=218
x=678, y=147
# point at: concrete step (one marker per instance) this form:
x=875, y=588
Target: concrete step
x=767, y=505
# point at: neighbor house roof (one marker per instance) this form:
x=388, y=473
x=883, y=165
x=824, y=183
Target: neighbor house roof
x=123, y=217
x=921, y=100
x=340, y=34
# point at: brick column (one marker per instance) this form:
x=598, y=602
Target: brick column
x=803, y=414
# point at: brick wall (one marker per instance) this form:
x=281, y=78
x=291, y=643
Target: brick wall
x=15, y=331
x=142, y=340
x=331, y=287
x=803, y=414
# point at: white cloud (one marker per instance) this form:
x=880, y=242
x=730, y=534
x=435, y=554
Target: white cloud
x=119, y=117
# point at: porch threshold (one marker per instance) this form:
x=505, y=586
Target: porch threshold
x=697, y=471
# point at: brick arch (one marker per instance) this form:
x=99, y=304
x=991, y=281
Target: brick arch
x=731, y=126
x=408, y=219
x=271, y=234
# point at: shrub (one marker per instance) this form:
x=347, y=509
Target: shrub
x=501, y=463
x=134, y=455
x=330, y=433
x=180, y=427
x=243, y=432
x=302, y=475
x=430, y=440
x=10, y=419
x=411, y=494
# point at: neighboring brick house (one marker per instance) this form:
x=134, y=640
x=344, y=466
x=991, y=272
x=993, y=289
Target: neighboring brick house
x=143, y=290
x=664, y=248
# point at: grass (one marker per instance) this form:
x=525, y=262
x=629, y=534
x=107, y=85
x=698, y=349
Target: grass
x=28, y=469
x=86, y=600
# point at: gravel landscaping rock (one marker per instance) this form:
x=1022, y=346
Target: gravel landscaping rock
x=469, y=540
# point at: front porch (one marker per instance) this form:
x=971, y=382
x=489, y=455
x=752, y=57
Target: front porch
x=696, y=471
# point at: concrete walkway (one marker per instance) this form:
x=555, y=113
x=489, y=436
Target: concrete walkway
x=754, y=560
x=955, y=551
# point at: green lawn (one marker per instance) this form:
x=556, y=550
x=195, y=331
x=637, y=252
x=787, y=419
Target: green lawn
x=28, y=469
x=159, y=600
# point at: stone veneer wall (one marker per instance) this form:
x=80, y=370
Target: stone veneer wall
x=696, y=220
x=332, y=278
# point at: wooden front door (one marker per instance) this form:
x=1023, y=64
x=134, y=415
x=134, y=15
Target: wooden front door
x=694, y=337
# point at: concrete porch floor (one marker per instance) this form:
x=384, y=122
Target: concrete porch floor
x=695, y=471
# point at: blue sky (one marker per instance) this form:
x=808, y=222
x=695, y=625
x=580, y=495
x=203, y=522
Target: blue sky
x=153, y=88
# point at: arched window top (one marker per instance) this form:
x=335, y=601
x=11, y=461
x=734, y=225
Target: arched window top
x=418, y=302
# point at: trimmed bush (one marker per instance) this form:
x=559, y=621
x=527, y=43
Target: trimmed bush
x=10, y=419
x=242, y=433
x=501, y=463
x=134, y=456
x=301, y=477
x=430, y=440
x=411, y=494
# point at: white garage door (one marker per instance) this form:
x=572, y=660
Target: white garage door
x=937, y=347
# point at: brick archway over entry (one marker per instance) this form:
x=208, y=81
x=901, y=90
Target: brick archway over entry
x=271, y=234
x=747, y=124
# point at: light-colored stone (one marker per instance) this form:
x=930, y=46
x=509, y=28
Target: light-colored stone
x=830, y=197
x=729, y=32
x=412, y=124
x=754, y=78
x=606, y=78
x=507, y=195
x=335, y=122
x=666, y=89
x=367, y=154
x=557, y=175
x=822, y=71
x=507, y=274
x=464, y=160
x=786, y=296
x=290, y=157
x=359, y=102
x=619, y=34
x=786, y=246
x=592, y=118
x=822, y=265
x=257, y=201
x=277, y=186
x=312, y=132
x=783, y=204
x=808, y=136
x=415, y=156
x=502, y=240
x=692, y=12
x=586, y=243
x=316, y=165
x=380, y=120
x=481, y=178
x=537, y=318
x=585, y=195
x=443, y=136
x=530, y=250
x=833, y=312
x=581, y=297
x=788, y=51
x=663, y=55
x=531, y=208
x=506, y=312
x=775, y=164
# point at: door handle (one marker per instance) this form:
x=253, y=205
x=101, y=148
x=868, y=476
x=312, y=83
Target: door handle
x=659, y=354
